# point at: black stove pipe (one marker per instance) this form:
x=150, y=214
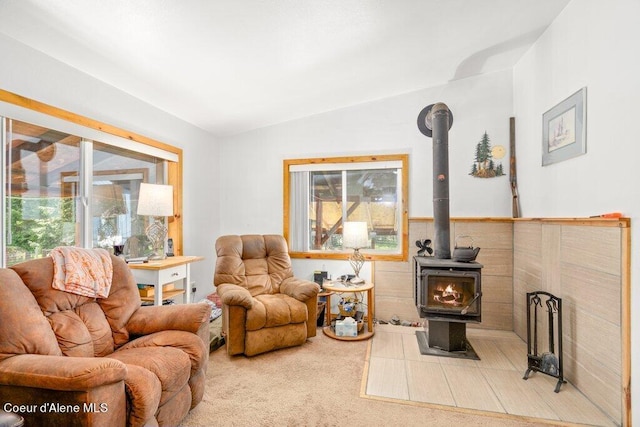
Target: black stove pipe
x=440, y=122
x=434, y=121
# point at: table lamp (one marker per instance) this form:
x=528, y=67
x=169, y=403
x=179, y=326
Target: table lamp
x=156, y=200
x=355, y=235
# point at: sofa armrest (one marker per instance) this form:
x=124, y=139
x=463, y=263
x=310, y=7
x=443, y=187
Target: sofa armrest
x=62, y=373
x=231, y=294
x=302, y=290
x=181, y=317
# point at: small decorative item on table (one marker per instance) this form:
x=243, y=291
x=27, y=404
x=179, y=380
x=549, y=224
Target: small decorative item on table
x=346, y=327
x=118, y=250
x=347, y=307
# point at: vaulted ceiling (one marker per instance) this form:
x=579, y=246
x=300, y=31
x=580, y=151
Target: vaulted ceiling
x=228, y=66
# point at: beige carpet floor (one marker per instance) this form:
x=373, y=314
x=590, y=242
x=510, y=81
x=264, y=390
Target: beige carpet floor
x=321, y=383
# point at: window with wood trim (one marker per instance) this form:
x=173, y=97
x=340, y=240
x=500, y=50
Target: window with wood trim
x=321, y=194
x=69, y=180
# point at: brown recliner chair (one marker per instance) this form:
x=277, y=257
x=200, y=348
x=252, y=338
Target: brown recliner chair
x=264, y=307
x=69, y=360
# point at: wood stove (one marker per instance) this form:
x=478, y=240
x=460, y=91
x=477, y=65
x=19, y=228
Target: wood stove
x=447, y=292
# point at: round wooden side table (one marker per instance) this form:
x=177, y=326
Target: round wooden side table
x=343, y=288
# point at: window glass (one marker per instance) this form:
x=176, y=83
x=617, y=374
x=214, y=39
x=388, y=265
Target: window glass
x=373, y=198
x=325, y=210
x=44, y=200
x=117, y=175
x=322, y=194
x=39, y=214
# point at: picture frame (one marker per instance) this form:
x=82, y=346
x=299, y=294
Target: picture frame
x=564, y=129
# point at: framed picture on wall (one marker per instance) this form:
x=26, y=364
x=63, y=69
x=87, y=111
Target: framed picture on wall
x=564, y=129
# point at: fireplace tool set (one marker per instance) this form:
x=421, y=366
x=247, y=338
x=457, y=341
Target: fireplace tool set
x=548, y=362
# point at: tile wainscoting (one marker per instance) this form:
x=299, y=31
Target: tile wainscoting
x=394, y=280
x=587, y=265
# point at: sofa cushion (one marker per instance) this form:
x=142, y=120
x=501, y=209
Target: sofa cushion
x=23, y=330
x=123, y=301
x=190, y=344
x=275, y=310
x=143, y=395
x=267, y=339
x=255, y=262
x=37, y=274
x=83, y=332
x=104, y=319
x=170, y=365
x=79, y=323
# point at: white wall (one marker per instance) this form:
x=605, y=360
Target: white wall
x=29, y=73
x=252, y=195
x=593, y=44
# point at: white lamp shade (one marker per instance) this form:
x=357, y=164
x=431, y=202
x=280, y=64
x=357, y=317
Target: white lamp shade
x=355, y=235
x=155, y=200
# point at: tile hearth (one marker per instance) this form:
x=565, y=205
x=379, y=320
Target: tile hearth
x=397, y=370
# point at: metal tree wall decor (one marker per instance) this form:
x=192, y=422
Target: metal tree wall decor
x=485, y=165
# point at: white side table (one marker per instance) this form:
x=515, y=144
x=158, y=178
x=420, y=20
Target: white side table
x=161, y=272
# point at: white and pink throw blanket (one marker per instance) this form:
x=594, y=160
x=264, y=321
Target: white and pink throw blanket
x=86, y=272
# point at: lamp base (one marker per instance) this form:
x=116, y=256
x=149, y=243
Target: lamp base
x=157, y=233
x=356, y=259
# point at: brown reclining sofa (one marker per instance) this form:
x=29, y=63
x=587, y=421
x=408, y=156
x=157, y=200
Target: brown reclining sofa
x=67, y=359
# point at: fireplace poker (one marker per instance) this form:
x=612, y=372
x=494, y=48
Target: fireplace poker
x=466, y=309
x=549, y=360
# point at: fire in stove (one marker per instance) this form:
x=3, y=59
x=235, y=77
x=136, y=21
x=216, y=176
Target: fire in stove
x=445, y=293
x=448, y=295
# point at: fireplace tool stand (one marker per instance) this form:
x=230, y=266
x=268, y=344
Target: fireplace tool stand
x=548, y=362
